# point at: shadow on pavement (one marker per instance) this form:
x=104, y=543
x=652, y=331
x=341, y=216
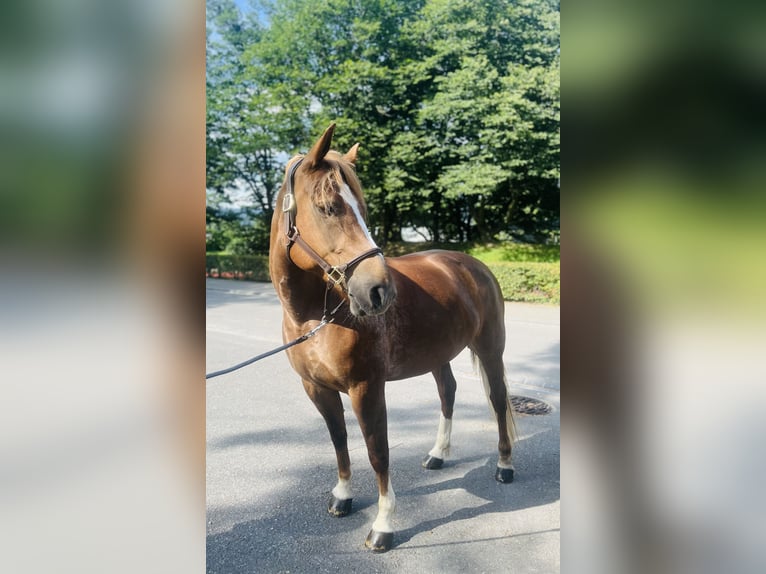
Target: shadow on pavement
x=296, y=534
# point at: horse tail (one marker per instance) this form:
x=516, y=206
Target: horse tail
x=485, y=380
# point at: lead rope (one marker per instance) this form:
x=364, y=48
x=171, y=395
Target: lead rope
x=305, y=337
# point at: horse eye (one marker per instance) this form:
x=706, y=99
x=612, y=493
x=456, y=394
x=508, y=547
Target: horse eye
x=331, y=209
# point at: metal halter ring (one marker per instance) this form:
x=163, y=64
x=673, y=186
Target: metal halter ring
x=337, y=276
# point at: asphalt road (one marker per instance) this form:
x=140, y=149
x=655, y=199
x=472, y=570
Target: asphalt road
x=271, y=465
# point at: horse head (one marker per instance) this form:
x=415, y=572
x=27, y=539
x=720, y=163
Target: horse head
x=325, y=215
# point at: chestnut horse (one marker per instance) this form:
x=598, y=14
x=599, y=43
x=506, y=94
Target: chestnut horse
x=385, y=319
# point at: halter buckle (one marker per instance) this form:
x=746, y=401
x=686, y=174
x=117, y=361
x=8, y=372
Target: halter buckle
x=292, y=233
x=288, y=203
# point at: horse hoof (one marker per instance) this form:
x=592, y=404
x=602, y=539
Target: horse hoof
x=504, y=475
x=339, y=507
x=432, y=463
x=379, y=541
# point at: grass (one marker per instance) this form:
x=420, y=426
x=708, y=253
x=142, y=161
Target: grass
x=516, y=252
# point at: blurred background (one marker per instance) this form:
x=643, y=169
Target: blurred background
x=664, y=311
x=101, y=323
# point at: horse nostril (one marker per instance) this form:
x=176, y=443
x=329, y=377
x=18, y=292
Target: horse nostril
x=377, y=295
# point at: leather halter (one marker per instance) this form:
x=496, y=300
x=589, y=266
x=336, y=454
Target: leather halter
x=336, y=274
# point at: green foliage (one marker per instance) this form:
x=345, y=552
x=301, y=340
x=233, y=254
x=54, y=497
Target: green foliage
x=250, y=267
x=248, y=125
x=529, y=282
x=227, y=232
x=482, y=146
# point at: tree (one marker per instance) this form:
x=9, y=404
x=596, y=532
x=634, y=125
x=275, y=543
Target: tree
x=483, y=147
x=245, y=135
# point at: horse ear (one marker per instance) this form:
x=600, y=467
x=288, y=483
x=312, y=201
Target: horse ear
x=350, y=156
x=320, y=149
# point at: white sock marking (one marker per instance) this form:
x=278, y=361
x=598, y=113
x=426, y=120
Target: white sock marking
x=342, y=490
x=441, y=447
x=386, y=508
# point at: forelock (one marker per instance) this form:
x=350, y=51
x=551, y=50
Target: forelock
x=326, y=184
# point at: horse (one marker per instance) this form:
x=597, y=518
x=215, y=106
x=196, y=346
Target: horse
x=375, y=319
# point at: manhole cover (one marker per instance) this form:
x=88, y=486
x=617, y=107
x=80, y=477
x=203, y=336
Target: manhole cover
x=529, y=406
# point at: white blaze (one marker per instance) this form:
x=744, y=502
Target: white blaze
x=349, y=198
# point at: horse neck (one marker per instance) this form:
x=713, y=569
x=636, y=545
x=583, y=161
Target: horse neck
x=301, y=292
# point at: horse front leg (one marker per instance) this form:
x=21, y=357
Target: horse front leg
x=369, y=403
x=329, y=405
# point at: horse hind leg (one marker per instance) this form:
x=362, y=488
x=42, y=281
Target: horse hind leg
x=492, y=373
x=329, y=405
x=445, y=382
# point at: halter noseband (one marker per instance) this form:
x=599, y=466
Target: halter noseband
x=336, y=274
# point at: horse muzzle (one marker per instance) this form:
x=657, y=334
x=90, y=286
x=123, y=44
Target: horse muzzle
x=368, y=296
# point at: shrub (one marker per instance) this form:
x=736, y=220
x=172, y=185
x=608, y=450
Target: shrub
x=250, y=267
x=529, y=282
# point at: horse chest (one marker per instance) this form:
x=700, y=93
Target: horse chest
x=336, y=365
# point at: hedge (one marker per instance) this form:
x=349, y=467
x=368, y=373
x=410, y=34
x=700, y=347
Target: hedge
x=520, y=281
x=250, y=267
x=529, y=282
